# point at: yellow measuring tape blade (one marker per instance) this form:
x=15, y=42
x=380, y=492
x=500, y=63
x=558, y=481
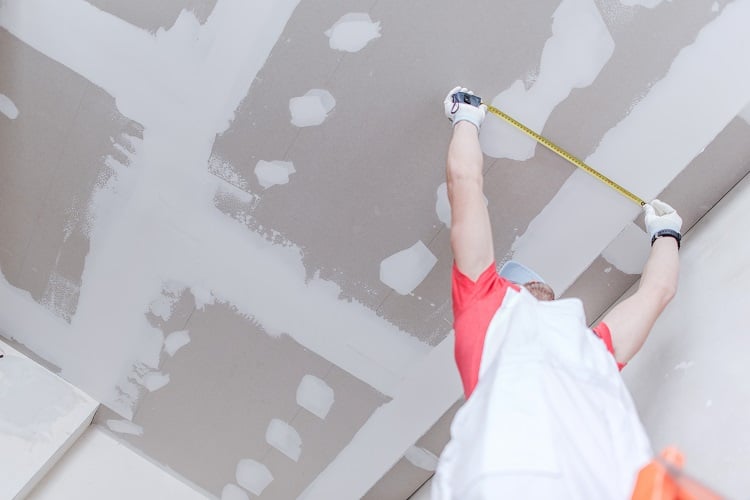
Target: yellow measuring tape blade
x=560, y=151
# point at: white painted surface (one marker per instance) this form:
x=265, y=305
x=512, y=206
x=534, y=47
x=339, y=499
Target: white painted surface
x=715, y=7
x=572, y=58
x=312, y=108
x=690, y=380
x=353, y=32
x=41, y=415
x=284, y=438
x=442, y=205
x=233, y=492
x=649, y=4
x=585, y=215
x=253, y=476
x=153, y=381
x=189, y=239
x=424, y=459
x=273, y=173
x=425, y=394
x=203, y=296
x=405, y=270
x=745, y=113
x=315, y=395
x=629, y=250
x=176, y=341
x=7, y=107
x=99, y=467
x=161, y=308
x=125, y=427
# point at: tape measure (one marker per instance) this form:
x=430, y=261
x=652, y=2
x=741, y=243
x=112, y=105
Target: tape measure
x=560, y=151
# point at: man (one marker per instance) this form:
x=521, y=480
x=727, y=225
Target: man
x=547, y=414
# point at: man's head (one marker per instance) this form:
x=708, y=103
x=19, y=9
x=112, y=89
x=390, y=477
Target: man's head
x=531, y=281
x=540, y=290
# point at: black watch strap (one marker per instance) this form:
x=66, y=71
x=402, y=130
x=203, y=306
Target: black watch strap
x=667, y=232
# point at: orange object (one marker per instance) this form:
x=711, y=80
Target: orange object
x=663, y=479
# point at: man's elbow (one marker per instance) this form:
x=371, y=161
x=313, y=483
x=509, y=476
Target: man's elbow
x=662, y=293
x=458, y=173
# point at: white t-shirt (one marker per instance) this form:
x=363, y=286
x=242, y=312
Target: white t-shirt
x=549, y=417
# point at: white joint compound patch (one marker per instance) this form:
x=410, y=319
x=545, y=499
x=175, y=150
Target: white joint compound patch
x=166, y=197
x=225, y=171
x=424, y=459
x=649, y=4
x=161, y=308
x=125, y=427
x=353, y=32
x=202, y=297
x=405, y=270
x=7, y=107
x=284, y=438
x=273, y=173
x=253, y=476
x=312, y=108
x=153, y=381
x=442, y=205
x=233, y=492
x=572, y=58
x=175, y=341
x=314, y=395
x=60, y=296
x=629, y=251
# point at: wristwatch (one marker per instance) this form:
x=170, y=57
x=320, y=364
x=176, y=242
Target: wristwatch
x=667, y=232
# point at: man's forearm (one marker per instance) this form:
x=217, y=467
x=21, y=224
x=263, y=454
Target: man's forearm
x=471, y=234
x=465, y=160
x=660, y=274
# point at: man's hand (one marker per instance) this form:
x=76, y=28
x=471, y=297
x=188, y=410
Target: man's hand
x=660, y=216
x=460, y=111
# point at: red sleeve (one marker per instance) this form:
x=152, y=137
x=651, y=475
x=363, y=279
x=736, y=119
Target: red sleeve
x=602, y=331
x=474, y=305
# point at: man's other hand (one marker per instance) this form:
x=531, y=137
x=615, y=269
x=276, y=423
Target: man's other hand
x=660, y=216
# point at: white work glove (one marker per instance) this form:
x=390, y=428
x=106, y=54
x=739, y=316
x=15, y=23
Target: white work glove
x=662, y=218
x=460, y=111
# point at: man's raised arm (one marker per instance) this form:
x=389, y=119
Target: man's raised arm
x=471, y=234
x=631, y=320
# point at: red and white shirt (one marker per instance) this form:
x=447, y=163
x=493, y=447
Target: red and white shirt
x=547, y=414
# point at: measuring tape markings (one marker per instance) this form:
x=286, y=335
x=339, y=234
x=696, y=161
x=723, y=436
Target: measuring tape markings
x=569, y=157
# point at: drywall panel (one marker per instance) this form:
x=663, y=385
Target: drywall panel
x=41, y=415
x=713, y=173
x=225, y=388
x=689, y=381
x=419, y=462
x=98, y=467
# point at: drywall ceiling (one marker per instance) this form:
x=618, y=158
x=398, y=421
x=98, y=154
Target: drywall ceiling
x=199, y=201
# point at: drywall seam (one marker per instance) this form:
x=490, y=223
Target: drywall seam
x=573, y=57
x=427, y=393
x=645, y=151
x=195, y=77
